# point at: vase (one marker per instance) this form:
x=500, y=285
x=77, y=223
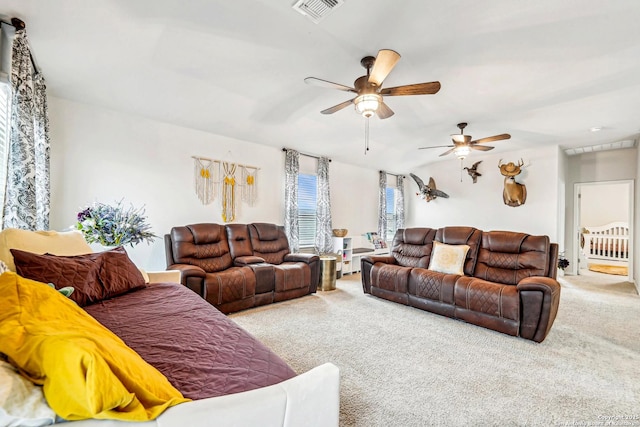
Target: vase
x=98, y=247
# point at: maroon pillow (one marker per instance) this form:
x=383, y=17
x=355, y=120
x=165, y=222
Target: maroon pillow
x=81, y=272
x=118, y=273
x=94, y=276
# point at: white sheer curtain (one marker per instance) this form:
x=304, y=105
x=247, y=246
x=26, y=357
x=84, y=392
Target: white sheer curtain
x=292, y=169
x=382, y=206
x=27, y=194
x=324, y=235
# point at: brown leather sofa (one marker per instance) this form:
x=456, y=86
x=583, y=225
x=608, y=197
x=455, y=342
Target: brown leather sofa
x=239, y=266
x=508, y=283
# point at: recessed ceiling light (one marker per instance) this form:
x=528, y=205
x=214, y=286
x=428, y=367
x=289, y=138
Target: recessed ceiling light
x=596, y=129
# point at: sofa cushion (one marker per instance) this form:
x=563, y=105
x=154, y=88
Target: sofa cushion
x=239, y=240
x=412, y=246
x=432, y=285
x=292, y=275
x=269, y=242
x=266, y=231
x=508, y=257
x=492, y=299
x=232, y=284
x=203, y=245
x=394, y=278
x=448, y=259
x=459, y=235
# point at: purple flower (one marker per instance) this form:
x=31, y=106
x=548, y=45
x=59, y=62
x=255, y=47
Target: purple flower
x=84, y=214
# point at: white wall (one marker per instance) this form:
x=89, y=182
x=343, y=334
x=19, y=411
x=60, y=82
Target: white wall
x=481, y=205
x=604, y=203
x=99, y=155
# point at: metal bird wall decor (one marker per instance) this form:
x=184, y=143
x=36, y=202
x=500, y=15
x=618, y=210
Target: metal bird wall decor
x=473, y=171
x=428, y=192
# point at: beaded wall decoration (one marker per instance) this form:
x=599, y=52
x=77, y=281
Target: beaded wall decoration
x=215, y=178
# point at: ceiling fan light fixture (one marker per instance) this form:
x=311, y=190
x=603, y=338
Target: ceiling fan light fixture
x=462, y=151
x=367, y=104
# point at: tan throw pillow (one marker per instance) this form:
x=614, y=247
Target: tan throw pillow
x=448, y=259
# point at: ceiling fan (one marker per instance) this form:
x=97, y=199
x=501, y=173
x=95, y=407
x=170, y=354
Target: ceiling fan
x=368, y=89
x=462, y=144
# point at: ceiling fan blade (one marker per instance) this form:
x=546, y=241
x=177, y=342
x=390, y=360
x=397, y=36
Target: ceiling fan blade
x=338, y=107
x=480, y=147
x=385, y=61
x=331, y=85
x=414, y=89
x=436, y=146
x=384, y=112
x=492, y=138
x=447, y=152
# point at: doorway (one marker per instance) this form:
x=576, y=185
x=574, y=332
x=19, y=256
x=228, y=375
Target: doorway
x=607, y=208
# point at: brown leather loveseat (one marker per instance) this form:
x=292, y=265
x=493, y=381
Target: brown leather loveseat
x=239, y=266
x=506, y=280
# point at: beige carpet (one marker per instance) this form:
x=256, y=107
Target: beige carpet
x=405, y=367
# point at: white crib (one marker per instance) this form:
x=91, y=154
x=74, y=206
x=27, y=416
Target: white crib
x=606, y=242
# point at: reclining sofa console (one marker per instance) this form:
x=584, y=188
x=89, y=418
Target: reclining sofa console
x=239, y=266
x=506, y=280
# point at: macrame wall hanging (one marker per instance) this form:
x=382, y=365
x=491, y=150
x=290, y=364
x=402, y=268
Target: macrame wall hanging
x=217, y=177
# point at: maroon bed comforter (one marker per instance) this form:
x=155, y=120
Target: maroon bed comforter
x=201, y=351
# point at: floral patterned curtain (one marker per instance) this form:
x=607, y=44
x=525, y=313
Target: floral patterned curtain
x=324, y=235
x=27, y=197
x=291, y=169
x=382, y=206
x=399, y=208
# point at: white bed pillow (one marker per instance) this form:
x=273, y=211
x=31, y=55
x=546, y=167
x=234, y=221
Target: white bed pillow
x=448, y=259
x=22, y=402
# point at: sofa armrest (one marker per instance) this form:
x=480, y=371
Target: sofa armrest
x=188, y=270
x=366, y=263
x=306, y=258
x=539, y=297
x=386, y=259
x=168, y=276
x=242, y=261
x=191, y=276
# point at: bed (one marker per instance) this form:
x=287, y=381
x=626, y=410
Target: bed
x=606, y=242
x=232, y=378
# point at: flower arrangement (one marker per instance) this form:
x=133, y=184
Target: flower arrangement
x=563, y=262
x=114, y=225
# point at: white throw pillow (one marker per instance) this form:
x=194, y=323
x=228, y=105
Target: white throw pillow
x=448, y=258
x=22, y=402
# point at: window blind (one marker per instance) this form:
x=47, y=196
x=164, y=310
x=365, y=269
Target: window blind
x=307, y=203
x=391, y=212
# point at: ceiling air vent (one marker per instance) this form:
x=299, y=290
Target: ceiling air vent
x=316, y=10
x=627, y=143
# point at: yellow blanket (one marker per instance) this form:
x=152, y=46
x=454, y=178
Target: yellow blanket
x=85, y=369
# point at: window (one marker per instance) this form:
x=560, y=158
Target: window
x=307, y=203
x=391, y=212
x=5, y=114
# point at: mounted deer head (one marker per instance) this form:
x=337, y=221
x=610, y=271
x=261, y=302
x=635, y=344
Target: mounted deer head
x=514, y=194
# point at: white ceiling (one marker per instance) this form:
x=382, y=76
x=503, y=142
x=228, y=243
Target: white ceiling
x=544, y=71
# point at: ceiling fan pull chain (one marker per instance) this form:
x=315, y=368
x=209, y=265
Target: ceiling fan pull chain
x=461, y=167
x=366, y=135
